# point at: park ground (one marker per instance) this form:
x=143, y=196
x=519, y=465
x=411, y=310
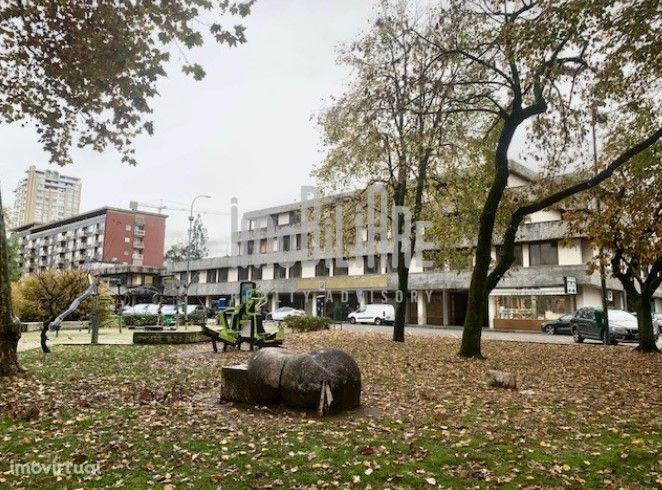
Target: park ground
x=584, y=416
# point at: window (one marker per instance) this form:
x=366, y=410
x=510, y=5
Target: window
x=298, y=241
x=222, y=275
x=182, y=277
x=126, y=239
x=321, y=269
x=195, y=277
x=389, y=263
x=279, y=271
x=543, y=253
x=242, y=274
x=128, y=227
x=517, y=250
x=340, y=270
x=535, y=307
x=250, y=245
x=256, y=272
x=376, y=260
x=263, y=245
x=295, y=270
x=211, y=275
x=295, y=217
x=286, y=243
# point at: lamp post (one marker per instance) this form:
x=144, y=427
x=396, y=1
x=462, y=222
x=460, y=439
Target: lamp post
x=188, y=255
x=595, y=115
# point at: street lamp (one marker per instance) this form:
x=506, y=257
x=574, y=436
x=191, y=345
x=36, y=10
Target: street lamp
x=188, y=255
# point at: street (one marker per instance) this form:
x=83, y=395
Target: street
x=456, y=332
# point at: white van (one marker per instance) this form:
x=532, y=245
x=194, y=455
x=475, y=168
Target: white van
x=376, y=314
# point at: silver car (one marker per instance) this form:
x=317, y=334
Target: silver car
x=657, y=323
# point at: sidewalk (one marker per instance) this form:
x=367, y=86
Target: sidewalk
x=30, y=340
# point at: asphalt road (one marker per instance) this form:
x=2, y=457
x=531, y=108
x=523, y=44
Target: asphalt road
x=456, y=332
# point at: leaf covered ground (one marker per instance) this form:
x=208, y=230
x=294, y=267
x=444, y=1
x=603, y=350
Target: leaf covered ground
x=583, y=416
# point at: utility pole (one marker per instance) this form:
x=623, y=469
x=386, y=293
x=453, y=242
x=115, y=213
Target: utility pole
x=95, y=316
x=188, y=256
x=603, y=275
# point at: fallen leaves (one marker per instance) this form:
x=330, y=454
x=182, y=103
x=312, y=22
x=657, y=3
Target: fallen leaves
x=151, y=416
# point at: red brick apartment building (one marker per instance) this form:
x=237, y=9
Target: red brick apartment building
x=102, y=236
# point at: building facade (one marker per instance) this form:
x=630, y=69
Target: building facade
x=44, y=196
x=103, y=236
x=549, y=278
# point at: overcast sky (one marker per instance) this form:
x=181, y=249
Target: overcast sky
x=244, y=131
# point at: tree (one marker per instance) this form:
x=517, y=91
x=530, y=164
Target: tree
x=625, y=221
x=10, y=328
x=198, y=250
x=84, y=73
x=41, y=297
x=542, y=66
x=13, y=249
x=389, y=129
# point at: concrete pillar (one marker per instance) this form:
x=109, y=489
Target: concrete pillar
x=422, y=308
x=274, y=302
x=444, y=308
x=491, y=311
x=310, y=304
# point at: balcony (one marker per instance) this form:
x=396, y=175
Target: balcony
x=137, y=244
x=139, y=232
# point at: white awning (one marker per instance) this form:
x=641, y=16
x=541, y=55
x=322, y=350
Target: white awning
x=556, y=291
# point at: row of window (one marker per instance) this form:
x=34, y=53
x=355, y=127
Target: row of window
x=540, y=253
x=254, y=272
x=286, y=244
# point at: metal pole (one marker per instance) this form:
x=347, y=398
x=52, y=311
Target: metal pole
x=188, y=256
x=119, y=297
x=603, y=278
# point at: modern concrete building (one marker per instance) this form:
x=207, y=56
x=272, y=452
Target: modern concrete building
x=548, y=280
x=44, y=196
x=106, y=235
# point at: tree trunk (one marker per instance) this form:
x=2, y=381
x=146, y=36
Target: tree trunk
x=43, y=338
x=645, y=323
x=401, y=307
x=478, y=290
x=10, y=330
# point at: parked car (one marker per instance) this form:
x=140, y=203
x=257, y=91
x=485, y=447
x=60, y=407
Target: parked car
x=587, y=324
x=657, y=323
x=373, y=313
x=560, y=325
x=283, y=312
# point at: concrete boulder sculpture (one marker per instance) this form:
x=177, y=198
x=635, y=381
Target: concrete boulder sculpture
x=326, y=379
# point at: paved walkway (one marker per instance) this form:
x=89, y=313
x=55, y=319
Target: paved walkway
x=30, y=340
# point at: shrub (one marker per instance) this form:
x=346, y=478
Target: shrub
x=139, y=320
x=307, y=323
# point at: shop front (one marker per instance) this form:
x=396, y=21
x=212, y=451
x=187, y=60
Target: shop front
x=527, y=309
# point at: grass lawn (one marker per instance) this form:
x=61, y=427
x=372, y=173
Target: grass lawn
x=585, y=416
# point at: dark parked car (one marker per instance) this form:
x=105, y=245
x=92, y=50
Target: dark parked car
x=587, y=324
x=560, y=325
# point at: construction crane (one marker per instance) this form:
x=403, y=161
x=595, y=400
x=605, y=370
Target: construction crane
x=134, y=205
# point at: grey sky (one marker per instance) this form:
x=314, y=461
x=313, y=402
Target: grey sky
x=244, y=131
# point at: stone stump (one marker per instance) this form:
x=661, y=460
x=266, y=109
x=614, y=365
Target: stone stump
x=323, y=377
x=264, y=372
x=234, y=384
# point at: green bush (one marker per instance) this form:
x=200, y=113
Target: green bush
x=139, y=320
x=307, y=323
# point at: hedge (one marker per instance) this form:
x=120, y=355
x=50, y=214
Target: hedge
x=307, y=323
x=139, y=320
